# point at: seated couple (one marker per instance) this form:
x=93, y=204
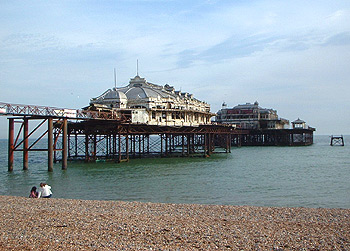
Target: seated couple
x=44, y=191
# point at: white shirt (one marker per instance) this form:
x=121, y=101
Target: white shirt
x=44, y=191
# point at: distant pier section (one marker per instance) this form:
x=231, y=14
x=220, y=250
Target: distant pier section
x=337, y=140
x=264, y=126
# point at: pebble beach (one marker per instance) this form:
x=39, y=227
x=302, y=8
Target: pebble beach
x=66, y=224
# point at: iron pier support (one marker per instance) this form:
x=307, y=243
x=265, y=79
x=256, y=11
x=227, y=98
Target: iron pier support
x=11, y=145
x=50, y=144
x=25, y=144
x=64, y=144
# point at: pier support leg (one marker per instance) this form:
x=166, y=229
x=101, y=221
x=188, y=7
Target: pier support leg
x=87, y=158
x=147, y=144
x=229, y=142
x=25, y=144
x=183, y=145
x=119, y=148
x=11, y=146
x=127, y=147
x=166, y=144
x=205, y=145
x=161, y=144
x=50, y=144
x=188, y=144
x=65, y=145
x=94, y=155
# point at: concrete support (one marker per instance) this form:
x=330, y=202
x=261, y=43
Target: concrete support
x=64, y=145
x=11, y=145
x=25, y=144
x=50, y=144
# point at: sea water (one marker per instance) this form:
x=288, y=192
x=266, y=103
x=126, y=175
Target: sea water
x=308, y=176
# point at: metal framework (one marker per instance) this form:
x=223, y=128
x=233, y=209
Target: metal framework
x=45, y=111
x=115, y=141
x=15, y=144
x=101, y=136
x=337, y=140
x=275, y=137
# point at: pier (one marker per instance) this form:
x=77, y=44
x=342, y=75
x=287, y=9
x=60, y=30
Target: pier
x=101, y=136
x=86, y=135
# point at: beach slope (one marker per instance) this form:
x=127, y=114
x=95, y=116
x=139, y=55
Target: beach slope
x=57, y=224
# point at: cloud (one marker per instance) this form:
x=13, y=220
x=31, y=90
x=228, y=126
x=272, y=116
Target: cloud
x=290, y=55
x=342, y=38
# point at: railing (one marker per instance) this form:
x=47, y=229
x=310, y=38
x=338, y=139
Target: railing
x=45, y=111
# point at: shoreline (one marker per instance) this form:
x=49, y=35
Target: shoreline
x=51, y=224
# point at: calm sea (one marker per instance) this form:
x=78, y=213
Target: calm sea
x=312, y=176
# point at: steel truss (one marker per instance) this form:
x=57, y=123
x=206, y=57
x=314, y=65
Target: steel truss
x=115, y=141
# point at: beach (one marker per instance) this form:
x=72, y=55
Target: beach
x=66, y=224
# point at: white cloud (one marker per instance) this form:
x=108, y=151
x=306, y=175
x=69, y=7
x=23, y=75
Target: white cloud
x=292, y=56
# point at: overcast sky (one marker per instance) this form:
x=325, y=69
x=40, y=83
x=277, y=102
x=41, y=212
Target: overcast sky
x=292, y=56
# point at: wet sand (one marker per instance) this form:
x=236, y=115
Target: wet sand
x=65, y=224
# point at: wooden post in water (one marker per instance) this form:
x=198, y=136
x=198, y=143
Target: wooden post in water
x=10, y=145
x=25, y=144
x=50, y=144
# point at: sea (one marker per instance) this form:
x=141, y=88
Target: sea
x=316, y=176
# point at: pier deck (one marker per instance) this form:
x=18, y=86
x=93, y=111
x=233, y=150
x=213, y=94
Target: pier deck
x=91, y=136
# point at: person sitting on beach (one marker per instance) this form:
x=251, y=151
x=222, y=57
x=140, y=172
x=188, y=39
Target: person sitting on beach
x=44, y=191
x=33, y=193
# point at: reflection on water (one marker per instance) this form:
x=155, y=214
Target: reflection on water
x=313, y=176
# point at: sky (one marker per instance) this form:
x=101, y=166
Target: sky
x=292, y=56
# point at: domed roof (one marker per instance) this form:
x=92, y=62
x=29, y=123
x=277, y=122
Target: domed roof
x=139, y=88
x=114, y=94
x=111, y=95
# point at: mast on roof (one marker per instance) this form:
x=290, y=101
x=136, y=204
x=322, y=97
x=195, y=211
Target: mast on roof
x=115, y=78
x=137, y=67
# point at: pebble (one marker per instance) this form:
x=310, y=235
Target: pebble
x=66, y=224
